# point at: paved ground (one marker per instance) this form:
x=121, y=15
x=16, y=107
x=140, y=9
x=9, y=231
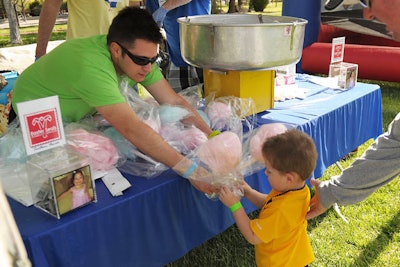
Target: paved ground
x=32, y=21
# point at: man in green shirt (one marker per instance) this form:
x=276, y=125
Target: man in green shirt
x=85, y=74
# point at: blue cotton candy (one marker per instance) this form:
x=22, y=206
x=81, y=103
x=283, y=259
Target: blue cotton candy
x=172, y=114
x=124, y=146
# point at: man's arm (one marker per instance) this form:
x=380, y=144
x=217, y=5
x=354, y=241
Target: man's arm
x=171, y=4
x=379, y=164
x=124, y=120
x=47, y=20
x=161, y=12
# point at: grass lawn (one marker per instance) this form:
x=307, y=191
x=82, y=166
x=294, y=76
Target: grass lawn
x=28, y=35
x=371, y=238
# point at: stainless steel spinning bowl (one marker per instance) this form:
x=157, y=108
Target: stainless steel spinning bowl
x=241, y=41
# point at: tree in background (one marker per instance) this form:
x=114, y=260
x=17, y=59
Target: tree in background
x=22, y=4
x=15, y=37
x=232, y=6
x=260, y=5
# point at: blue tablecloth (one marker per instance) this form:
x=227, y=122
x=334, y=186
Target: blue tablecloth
x=338, y=120
x=158, y=220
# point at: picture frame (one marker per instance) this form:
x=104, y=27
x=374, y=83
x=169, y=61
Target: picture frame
x=67, y=192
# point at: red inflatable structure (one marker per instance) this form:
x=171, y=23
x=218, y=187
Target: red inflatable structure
x=377, y=58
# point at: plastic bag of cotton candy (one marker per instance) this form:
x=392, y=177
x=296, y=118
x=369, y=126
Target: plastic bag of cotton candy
x=137, y=163
x=215, y=162
x=166, y=120
x=252, y=157
x=101, y=150
x=231, y=113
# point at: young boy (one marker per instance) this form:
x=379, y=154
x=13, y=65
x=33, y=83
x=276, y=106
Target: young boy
x=280, y=232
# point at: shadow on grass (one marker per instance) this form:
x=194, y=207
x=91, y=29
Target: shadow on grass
x=375, y=247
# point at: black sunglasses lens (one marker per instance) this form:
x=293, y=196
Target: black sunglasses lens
x=139, y=61
x=143, y=61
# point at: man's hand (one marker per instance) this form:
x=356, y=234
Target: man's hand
x=203, y=187
x=315, y=204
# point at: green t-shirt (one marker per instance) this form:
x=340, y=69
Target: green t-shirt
x=81, y=73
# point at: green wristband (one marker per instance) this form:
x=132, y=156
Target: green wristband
x=214, y=133
x=235, y=206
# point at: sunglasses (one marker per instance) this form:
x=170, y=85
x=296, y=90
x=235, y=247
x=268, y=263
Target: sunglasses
x=365, y=3
x=141, y=61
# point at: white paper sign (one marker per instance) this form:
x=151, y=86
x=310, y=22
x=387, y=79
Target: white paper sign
x=41, y=124
x=337, y=49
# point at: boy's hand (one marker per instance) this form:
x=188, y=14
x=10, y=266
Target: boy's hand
x=246, y=188
x=227, y=197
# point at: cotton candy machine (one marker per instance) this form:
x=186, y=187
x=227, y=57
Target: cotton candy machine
x=239, y=51
x=241, y=41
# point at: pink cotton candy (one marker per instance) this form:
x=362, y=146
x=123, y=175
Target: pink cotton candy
x=184, y=140
x=99, y=148
x=221, y=153
x=218, y=113
x=264, y=132
x=192, y=138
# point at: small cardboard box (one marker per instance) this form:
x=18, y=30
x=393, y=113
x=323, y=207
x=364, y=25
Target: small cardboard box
x=285, y=75
x=346, y=74
x=258, y=85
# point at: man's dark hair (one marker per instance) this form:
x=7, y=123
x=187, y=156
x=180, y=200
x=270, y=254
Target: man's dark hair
x=133, y=23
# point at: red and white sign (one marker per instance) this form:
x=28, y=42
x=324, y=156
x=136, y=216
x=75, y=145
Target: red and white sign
x=337, y=49
x=41, y=124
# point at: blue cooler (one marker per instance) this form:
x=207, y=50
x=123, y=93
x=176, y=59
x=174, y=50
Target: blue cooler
x=10, y=77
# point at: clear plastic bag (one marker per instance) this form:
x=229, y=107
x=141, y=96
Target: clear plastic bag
x=215, y=162
x=252, y=158
x=230, y=113
x=12, y=147
x=101, y=150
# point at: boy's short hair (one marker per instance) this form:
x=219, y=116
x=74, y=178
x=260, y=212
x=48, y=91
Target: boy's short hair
x=291, y=151
x=133, y=23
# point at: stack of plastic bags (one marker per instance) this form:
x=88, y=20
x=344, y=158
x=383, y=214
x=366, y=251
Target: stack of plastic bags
x=226, y=158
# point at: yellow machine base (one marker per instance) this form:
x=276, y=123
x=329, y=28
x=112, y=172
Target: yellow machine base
x=258, y=85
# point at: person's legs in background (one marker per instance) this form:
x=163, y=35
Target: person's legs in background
x=181, y=78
